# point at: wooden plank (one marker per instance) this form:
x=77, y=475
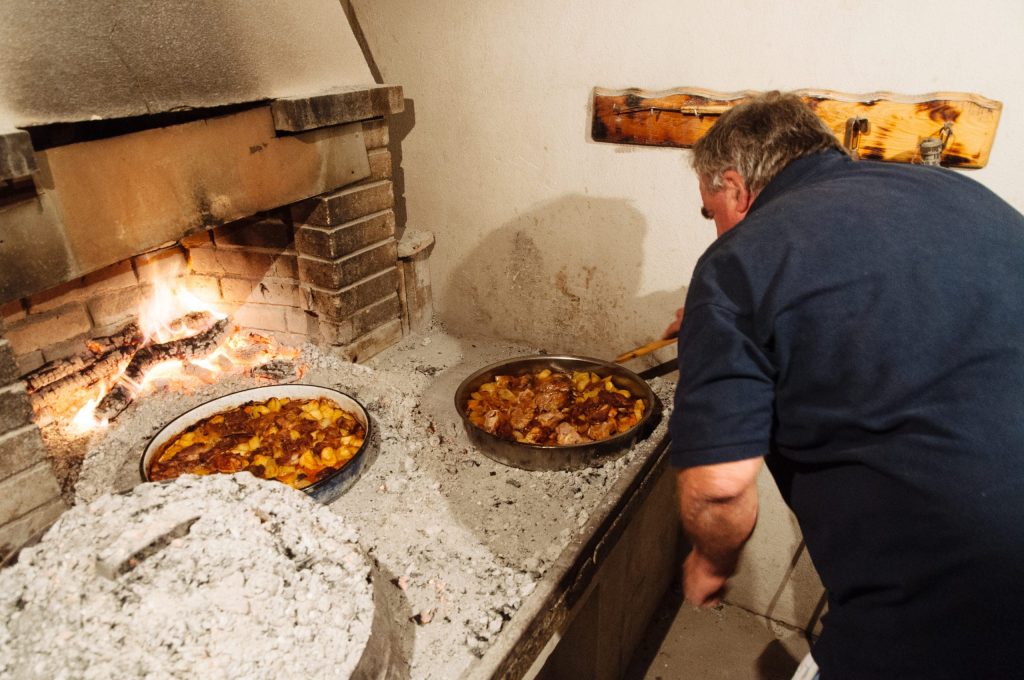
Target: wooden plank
x=896, y=124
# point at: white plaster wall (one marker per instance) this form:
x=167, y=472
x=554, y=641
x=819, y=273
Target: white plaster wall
x=70, y=60
x=535, y=222
x=546, y=236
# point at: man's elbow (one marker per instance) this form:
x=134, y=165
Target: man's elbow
x=719, y=483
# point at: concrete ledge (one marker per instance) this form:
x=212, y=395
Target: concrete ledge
x=344, y=105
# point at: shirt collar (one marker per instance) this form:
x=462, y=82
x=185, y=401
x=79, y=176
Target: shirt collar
x=800, y=172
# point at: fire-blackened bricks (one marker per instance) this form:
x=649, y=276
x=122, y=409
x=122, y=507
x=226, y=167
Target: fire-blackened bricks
x=161, y=265
x=15, y=407
x=27, y=490
x=16, y=533
x=8, y=363
x=345, y=205
x=261, y=317
x=335, y=305
x=267, y=290
x=374, y=342
x=48, y=328
x=19, y=449
x=380, y=164
x=342, y=272
x=266, y=232
x=330, y=243
x=206, y=288
x=377, y=314
x=375, y=133
x=237, y=262
x=335, y=332
x=286, y=266
x=363, y=321
x=115, y=307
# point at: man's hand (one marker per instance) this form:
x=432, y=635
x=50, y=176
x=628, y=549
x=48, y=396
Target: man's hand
x=702, y=585
x=673, y=328
x=718, y=504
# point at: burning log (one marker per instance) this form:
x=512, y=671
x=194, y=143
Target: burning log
x=191, y=347
x=64, y=394
x=99, y=350
x=122, y=361
x=57, y=387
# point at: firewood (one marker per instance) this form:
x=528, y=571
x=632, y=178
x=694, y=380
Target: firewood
x=191, y=347
x=53, y=400
x=98, y=349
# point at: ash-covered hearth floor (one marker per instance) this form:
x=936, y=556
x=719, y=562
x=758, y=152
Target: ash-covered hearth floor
x=472, y=548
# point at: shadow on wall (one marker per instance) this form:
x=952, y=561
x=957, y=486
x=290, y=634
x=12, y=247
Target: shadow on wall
x=563, y=277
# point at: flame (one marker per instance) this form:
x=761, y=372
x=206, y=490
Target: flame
x=170, y=301
x=85, y=420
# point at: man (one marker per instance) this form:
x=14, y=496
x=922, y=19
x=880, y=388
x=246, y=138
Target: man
x=860, y=327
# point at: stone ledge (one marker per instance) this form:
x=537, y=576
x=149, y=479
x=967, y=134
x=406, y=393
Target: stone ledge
x=17, y=157
x=414, y=242
x=344, y=105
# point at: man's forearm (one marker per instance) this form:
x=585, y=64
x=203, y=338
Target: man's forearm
x=718, y=505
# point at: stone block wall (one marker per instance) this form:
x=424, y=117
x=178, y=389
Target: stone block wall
x=248, y=269
x=328, y=269
x=348, y=257
x=57, y=323
x=29, y=494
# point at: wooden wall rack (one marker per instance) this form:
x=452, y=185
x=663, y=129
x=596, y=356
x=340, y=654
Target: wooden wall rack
x=959, y=127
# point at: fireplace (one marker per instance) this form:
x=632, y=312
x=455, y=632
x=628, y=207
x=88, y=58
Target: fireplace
x=279, y=215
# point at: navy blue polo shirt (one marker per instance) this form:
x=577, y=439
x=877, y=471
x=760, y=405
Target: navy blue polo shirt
x=863, y=328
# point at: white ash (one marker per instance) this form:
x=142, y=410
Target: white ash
x=466, y=540
x=262, y=583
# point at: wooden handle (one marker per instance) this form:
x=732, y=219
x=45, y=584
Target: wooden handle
x=644, y=349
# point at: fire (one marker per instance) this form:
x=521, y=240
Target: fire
x=163, y=319
x=86, y=420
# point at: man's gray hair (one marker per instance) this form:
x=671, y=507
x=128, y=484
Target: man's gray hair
x=758, y=138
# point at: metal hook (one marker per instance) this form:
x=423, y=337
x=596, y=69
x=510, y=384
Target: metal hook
x=931, y=148
x=855, y=127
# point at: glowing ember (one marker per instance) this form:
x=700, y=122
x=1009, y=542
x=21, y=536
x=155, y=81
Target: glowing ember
x=170, y=315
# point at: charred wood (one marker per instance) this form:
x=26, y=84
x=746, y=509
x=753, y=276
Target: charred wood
x=191, y=347
x=99, y=349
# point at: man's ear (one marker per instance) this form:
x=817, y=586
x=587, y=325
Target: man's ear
x=737, y=187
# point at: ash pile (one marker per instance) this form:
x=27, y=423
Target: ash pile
x=212, y=577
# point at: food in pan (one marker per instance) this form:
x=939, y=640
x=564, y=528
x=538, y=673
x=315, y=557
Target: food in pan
x=554, y=409
x=295, y=441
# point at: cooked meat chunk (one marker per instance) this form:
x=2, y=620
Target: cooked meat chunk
x=567, y=435
x=492, y=419
x=602, y=430
x=554, y=394
x=549, y=418
x=520, y=417
x=553, y=409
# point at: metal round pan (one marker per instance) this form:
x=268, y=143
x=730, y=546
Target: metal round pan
x=325, y=490
x=538, y=457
